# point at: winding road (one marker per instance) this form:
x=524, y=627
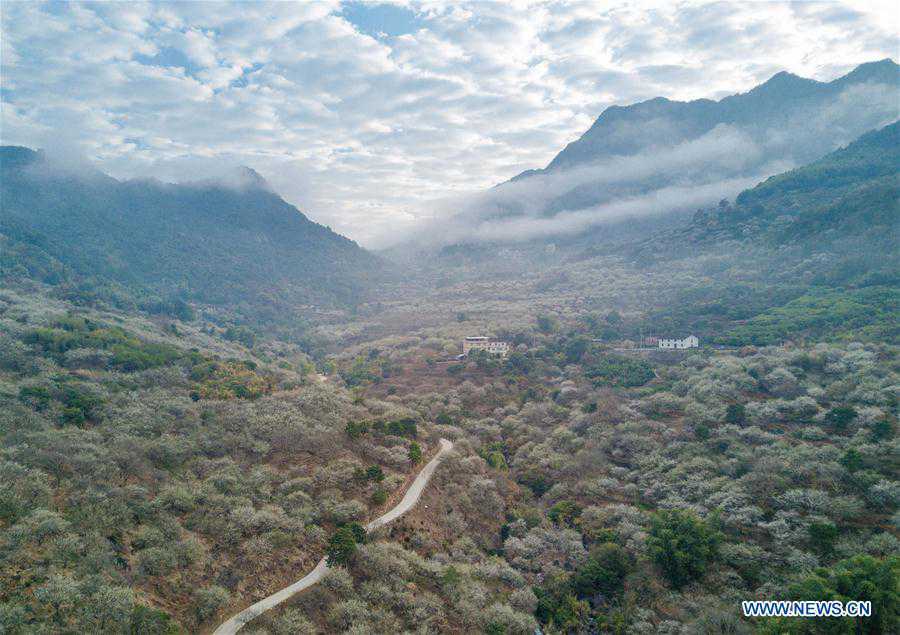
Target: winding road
x=236, y=622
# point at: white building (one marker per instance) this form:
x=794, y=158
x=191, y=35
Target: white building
x=494, y=347
x=690, y=341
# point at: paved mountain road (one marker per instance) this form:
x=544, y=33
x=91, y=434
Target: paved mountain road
x=235, y=623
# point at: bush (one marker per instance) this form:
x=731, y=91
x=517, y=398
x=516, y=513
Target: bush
x=860, y=578
x=208, y=600
x=839, y=418
x=682, y=544
x=621, y=371
x=379, y=497
x=341, y=546
x=564, y=512
x=735, y=414
x=603, y=573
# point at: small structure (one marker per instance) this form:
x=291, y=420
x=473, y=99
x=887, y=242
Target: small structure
x=690, y=341
x=481, y=343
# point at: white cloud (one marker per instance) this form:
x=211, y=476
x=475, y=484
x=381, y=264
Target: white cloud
x=361, y=132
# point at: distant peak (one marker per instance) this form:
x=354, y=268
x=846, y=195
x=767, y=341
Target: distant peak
x=248, y=177
x=782, y=78
x=18, y=156
x=239, y=178
x=885, y=70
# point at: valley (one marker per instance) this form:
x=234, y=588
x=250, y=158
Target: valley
x=205, y=396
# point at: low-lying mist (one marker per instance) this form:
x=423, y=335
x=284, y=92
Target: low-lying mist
x=656, y=181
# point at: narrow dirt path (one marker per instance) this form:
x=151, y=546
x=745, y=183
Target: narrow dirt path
x=235, y=623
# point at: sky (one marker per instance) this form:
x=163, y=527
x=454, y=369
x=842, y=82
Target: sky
x=364, y=114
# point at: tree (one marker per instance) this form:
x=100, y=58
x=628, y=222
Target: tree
x=356, y=429
x=735, y=414
x=682, y=545
x=546, y=324
x=564, y=512
x=839, y=418
x=558, y=606
x=208, y=600
x=374, y=473
x=110, y=609
x=415, y=453
x=852, y=460
x=860, y=578
x=153, y=621
x=60, y=594
x=358, y=531
x=822, y=537
x=883, y=429
x=576, y=348
x=341, y=547
x=603, y=573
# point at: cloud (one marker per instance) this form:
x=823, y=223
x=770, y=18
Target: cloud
x=361, y=128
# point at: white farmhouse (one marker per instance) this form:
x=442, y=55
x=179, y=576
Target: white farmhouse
x=480, y=343
x=690, y=341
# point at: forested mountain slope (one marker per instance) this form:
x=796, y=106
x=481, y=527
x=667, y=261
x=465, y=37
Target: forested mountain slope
x=154, y=244
x=850, y=192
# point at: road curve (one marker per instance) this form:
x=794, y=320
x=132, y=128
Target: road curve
x=235, y=623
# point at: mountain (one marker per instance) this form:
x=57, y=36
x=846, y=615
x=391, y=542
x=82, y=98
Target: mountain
x=230, y=243
x=622, y=131
x=851, y=192
x=646, y=167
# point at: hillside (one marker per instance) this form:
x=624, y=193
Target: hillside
x=158, y=245
x=852, y=192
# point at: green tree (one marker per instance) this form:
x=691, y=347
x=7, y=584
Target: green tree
x=356, y=429
x=840, y=417
x=557, y=606
x=604, y=572
x=341, y=547
x=415, y=453
x=682, y=545
x=564, y=512
x=822, y=537
x=109, y=609
x=883, y=429
x=852, y=460
x=735, y=414
x=860, y=578
x=546, y=324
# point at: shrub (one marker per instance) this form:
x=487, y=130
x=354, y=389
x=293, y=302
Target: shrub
x=603, y=573
x=682, y=544
x=839, y=418
x=621, y=371
x=564, y=512
x=735, y=414
x=341, y=546
x=208, y=600
x=379, y=497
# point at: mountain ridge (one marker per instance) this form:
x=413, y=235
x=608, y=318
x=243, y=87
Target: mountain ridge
x=208, y=242
x=731, y=109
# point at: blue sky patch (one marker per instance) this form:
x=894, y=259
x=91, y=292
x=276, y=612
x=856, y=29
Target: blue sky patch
x=379, y=20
